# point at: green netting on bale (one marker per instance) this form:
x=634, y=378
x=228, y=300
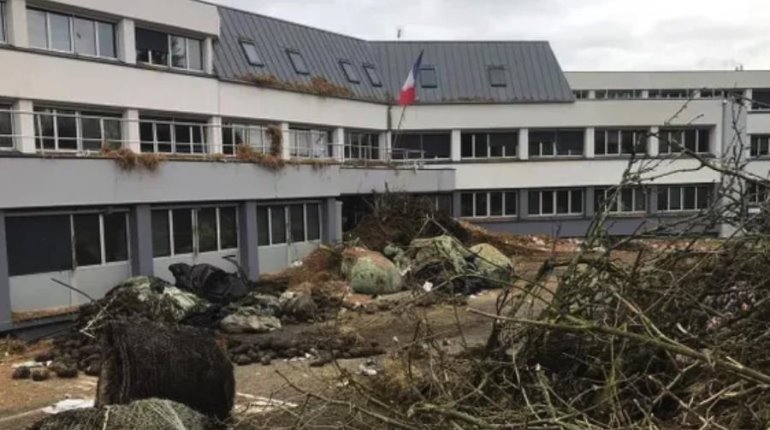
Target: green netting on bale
x=152, y=414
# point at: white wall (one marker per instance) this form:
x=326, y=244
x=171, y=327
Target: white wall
x=673, y=79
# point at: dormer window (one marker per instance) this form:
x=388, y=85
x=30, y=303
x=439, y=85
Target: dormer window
x=497, y=76
x=350, y=72
x=428, y=78
x=298, y=62
x=252, y=56
x=371, y=73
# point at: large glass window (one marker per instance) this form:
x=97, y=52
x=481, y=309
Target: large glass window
x=196, y=231
x=303, y=224
x=88, y=244
x=676, y=198
x=162, y=49
x=760, y=144
x=555, y=202
x=3, y=36
x=115, y=237
x=760, y=99
x=297, y=223
x=278, y=225
x=313, y=222
x=182, y=231
x=362, y=146
x=161, y=237
x=263, y=226
x=482, y=204
x=169, y=135
x=426, y=146
x=6, y=127
x=207, y=230
x=228, y=228
x=489, y=145
x=620, y=141
x=556, y=143
x=67, y=33
x=625, y=200
x=68, y=130
x=253, y=136
x=677, y=140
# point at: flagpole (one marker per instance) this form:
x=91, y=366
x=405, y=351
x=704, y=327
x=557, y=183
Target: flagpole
x=398, y=128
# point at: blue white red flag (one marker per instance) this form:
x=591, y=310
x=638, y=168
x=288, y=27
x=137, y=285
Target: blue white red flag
x=409, y=91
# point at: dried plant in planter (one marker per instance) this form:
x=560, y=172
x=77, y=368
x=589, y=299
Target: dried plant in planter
x=248, y=154
x=318, y=85
x=128, y=160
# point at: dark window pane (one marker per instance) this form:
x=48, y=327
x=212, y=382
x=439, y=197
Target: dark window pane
x=297, y=223
x=627, y=200
x=703, y=197
x=183, y=231
x=2, y=22
x=67, y=130
x=481, y=204
x=313, y=222
x=577, y=202
x=106, y=33
x=562, y=202
x=466, y=145
x=151, y=46
x=662, y=198
x=703, y=141
x=533, y=201
x=466, y=204
x=147, y=137
x=37, y=29
x=613, y=143
x=407, y=146
x=112, y=130
x=627, y=144
x=161, y=238
x=444, y=204
x=263, y=226
x=570, y=142
x=252, y=56
x=641, y=201
x=428, y=78
x=115, y=240
x=44, y=129
x=503, y=144
x=374, y=77
x=480, y=146
x=6, y=128
x=228, y=228
x=88, y=246
x=38, y=244
x=298, y=62
x=495, y=204
x=511, y=203
x=207, y=229
x=85, y=36
x=278, y=224
x=675, y=198
x=163, y=136
x=91, y=129
x=691, y=140
x=497, y=76
x=689, y=198
x=436, y=146
x=547, y=202
x=350, y=72
x=183, y=138
x=61, y=39
x=600, y=142
x=599, y=197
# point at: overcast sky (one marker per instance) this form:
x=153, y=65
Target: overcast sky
x=586, y=34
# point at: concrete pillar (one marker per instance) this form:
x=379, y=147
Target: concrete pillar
x=523, y=204
x=214, y=135
x=524, y=144
x=748, y=95
x=126, y=40
x=457, y=204
x=384, y=146
x=456, y=145
x=24, y=126
x=286, y=139
x=248, y=239
x=130, y=130
x=588, y=143
x=6, y=319
x=332, y=222
x=588, y=204
x=645, y=94
x=338, y=145
x=16, y=23
x=652, y=142
x=208, y=55
x=142, y=259
x=591, y=94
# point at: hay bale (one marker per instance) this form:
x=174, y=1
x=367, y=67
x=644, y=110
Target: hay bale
x=143, y=359
x=152, y=414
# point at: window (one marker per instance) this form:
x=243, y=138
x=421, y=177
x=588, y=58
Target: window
x=618, y=94
x=677, y=198
x=305, y=143
x=482, y=204
x=170, y=135
x=263, y=226
x=760, y=144
x=278, y=225
x=187, y=231
x=428, y=77
x=182, y=231
x=610, y=141
x=497, y=76
x=676, y=140
x=254, y=136
x=670, y=94
x=207, y=230
x=625, y=200
x=66, y=33
x=371, y=73
x=228, y=228
x=425, y=146
x=313, y=215
x=489, y=145
x=362, y=146
x=297, y=223
x=555, y=202
x=2, y=22
x=161, y=239
x=297, y=62
x=580, y=94
x=161, y=49
x=757, y=194
x=6, y=127
x=67, y=130
x=252, y=56
x=760, y=99
x=303, y=224
x=556, y=143
x=47, y=243
x=721, y=93
x=350, y=72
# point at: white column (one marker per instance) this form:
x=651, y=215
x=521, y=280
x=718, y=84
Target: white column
x=208, y=55
x=126, y=41
x=16, y=19
x=338, y=144
x=645, y=94
x=214, y=135
x=384, y=145
x=589, y=143
x=456, y=145
x=748, y=94
x=591, y=94
x=24, y=126
x=524, y=144
x=286, y=139
x=130, y=130
x=652, y=142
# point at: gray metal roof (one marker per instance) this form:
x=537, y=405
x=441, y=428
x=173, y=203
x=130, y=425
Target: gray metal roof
x=532, y=71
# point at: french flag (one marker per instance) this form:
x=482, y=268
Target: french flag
x=409, y=91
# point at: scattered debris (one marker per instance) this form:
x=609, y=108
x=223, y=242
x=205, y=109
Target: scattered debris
x=209, y=282
x=22, y=373
x=68, y=405
x=41, y=374
x=249, y=320
x=370, y=272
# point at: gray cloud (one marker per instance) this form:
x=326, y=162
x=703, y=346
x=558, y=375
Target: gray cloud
x=586, y=34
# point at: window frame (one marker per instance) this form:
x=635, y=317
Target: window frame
x=71, y=18
x=759, y=146
x=169, y=63
x=173, y=124
x=618, y=94
x=3, y=23
x=286, y=209
x=421, y=155
x=78, y=115
x=366, y=143
x=492, y=73
x=554, y=202
x=427, y=83
x=680, y=188
x=554, y=145
x=168, y=213
x=247, y=132
x=682, y=143
x=374, y=77
x=508, y=210
x=756, y=194
x=350, y=72
x=601, y=195
x=257, y=59
x=488, y=136
x=298, y=62
x=638, y=143
x=7, y=111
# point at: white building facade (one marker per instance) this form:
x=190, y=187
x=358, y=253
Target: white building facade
x=501, y=137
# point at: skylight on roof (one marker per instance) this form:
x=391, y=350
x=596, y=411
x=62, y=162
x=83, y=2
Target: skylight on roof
x=298, y=62
x=371, y=73
x=497, y=76
x=428, y=77
x=350, y=71
x=252, y=56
